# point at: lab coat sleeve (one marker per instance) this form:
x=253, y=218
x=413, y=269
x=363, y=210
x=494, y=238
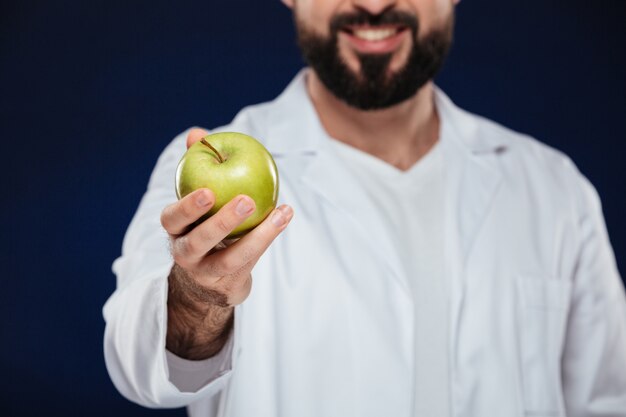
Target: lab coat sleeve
x=136, y=313
x=594, y=356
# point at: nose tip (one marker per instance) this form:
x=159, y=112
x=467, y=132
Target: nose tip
x=374, y=7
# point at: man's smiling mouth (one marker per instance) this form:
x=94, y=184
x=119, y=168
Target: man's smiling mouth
x=373, y=34
x=381, y=39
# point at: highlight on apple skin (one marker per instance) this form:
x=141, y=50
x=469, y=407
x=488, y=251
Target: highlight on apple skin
x=229, y=164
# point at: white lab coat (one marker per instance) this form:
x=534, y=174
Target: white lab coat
x=537, y=309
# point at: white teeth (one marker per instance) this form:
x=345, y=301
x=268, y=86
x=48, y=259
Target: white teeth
x=374, y=34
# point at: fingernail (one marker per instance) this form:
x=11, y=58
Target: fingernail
x=278, y=219
x=287, y=210
x=203, y=200
x=243, y=207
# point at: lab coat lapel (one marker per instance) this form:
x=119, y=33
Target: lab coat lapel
x=295, y=128
x=472, y=175
x=334, y=182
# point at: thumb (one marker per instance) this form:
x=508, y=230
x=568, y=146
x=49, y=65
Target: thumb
x=195, y=135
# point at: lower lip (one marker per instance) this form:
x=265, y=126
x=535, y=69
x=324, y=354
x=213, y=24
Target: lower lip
x=383, y=46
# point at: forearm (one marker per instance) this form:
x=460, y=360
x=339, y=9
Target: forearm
x=199, y=319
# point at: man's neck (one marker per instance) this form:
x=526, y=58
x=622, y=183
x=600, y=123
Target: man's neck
x=399, y=135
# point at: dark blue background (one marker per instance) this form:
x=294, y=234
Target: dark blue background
x=91, y=92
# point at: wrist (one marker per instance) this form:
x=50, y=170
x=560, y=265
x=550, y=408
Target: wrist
x=198, y=322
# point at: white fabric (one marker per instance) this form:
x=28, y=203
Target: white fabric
x=410, y=203
x=537, y=309
x=190, y=376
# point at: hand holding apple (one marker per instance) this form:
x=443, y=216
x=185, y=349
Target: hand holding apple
x=209, y=277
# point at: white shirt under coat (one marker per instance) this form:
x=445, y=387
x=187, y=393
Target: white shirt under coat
x=410, y=204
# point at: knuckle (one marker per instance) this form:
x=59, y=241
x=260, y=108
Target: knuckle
x=165, y=217
x=186, y=247
x=192, y=246
x=222, y=225
x=186, y=211
x=205, y=234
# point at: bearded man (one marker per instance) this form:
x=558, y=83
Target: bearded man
x=438, y=264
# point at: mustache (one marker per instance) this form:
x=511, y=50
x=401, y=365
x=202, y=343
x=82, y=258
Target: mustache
x=361, y=17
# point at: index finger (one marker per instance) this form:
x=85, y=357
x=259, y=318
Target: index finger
x=178, y=216
x=195, y=135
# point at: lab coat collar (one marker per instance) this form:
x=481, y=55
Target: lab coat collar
x=289, y=117
x=292, y=112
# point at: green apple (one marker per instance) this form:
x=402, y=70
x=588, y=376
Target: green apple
x=230, y=164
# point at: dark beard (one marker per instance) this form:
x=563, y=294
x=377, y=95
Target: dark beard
x=374, y=87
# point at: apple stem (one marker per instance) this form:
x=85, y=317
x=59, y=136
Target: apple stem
x=214, y=150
